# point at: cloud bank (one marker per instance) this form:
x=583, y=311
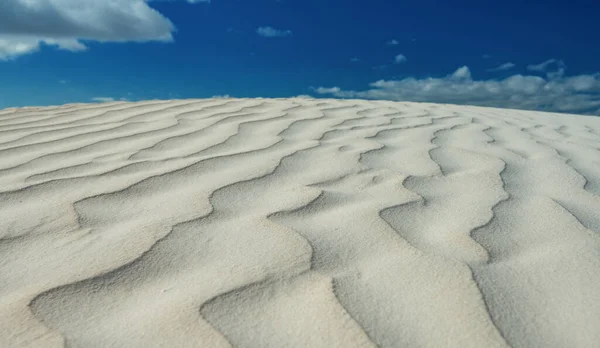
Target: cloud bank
x=555, y=92
x=27, y=24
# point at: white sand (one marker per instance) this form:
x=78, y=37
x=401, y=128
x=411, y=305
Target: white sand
x=298, y=223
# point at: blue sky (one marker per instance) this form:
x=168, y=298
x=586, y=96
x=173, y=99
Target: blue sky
x=497, y=53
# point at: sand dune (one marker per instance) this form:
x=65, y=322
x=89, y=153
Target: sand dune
x=298, y=223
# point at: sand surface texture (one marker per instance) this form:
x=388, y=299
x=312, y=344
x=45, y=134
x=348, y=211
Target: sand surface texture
x=298, y=223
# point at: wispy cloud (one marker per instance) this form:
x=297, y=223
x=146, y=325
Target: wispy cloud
x=574, y=94
x=400, y=58
x=393, y=43
x=324, y=90
x=554, y=68
x=355, y=59
x=543, y=66
x=503, y=67
x=103, y=99
x=25, y=25
x=273, y=32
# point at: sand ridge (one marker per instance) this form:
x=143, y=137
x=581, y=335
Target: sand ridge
x=298, y=222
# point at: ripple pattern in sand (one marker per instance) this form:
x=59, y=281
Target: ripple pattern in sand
x=298, y=223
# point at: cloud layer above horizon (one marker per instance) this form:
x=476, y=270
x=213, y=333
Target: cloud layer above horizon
x=26, y=24
x=287, y=56
x=554, y=92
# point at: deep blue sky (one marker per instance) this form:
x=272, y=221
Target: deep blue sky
x=217, y=51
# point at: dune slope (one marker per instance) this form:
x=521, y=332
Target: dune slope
x=298, y=223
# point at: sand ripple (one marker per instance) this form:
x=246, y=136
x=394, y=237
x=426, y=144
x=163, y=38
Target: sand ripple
x=298, y=223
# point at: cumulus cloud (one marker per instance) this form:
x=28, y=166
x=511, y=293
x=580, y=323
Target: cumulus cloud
x=462, y=73
x=272, y=32
x=503, y=67
x=574, y=94
x=27, y=24
x=400, y=58
x=393, y=43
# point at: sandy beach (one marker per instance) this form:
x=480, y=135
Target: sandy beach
x=298, y=222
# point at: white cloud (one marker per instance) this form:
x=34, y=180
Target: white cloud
x=582, y=83
x=462, y=73
x=103, y=99
x=323, y=90
x=354, y=59
x=400, y=58
x=543, y=66
x=575, y=94
x=503, y=67
x=67, y=44
x=14, y=46
x=393, y=43
x=272, y=32
x=557, y=65
x=10, y=48
x=26, y=24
